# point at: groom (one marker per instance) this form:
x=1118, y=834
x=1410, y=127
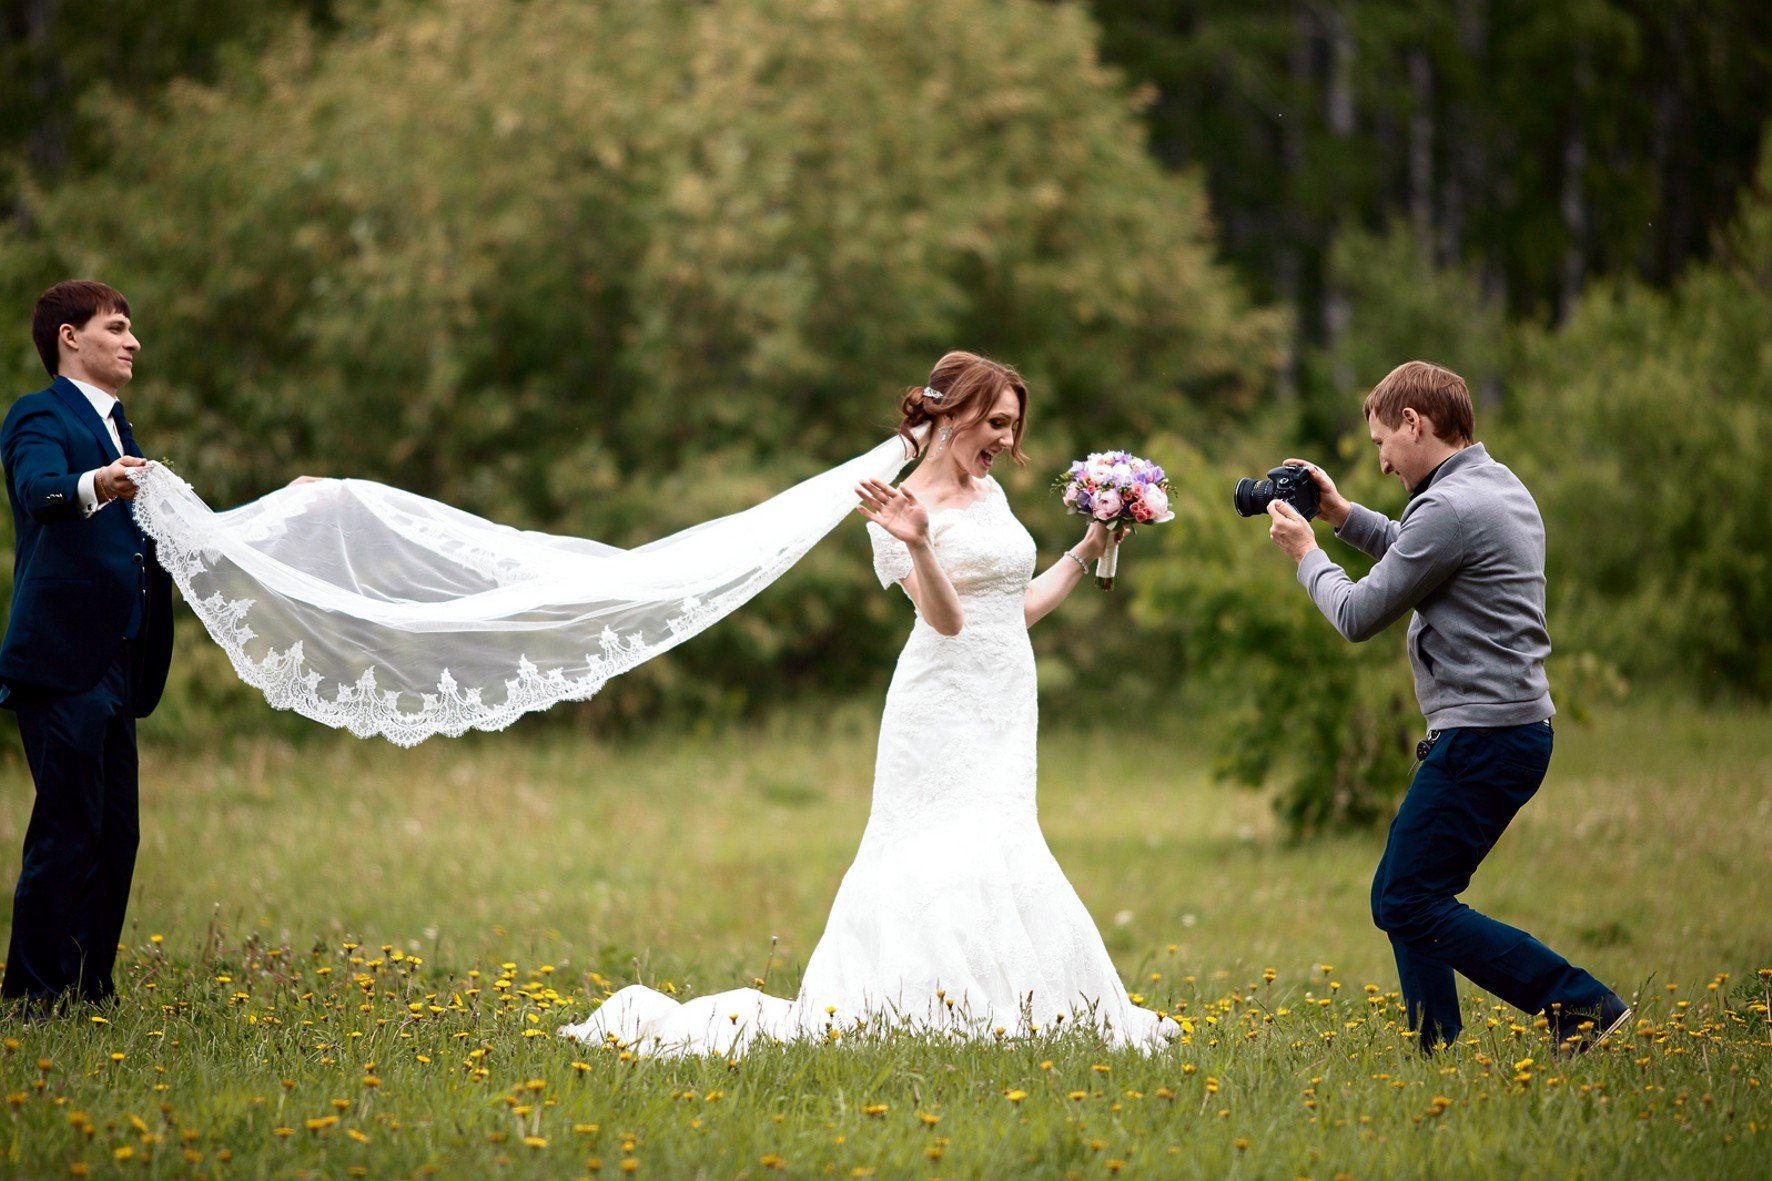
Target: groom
x=1468, y=558
x=87, y=646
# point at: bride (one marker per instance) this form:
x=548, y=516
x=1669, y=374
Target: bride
x=954, y=916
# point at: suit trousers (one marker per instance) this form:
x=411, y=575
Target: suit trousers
x=79, y=857
x=1465, y=792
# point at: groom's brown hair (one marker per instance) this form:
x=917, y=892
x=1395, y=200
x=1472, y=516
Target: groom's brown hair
x=72, y=301
x=966, y=386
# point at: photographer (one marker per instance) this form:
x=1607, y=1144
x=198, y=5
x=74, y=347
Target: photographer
x=1468, y=558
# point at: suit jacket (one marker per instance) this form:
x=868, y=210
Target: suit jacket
x=76, y=580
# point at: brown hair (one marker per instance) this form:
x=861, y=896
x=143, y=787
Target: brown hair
x=74, y=301
x=969, y=386
x=1432, y=392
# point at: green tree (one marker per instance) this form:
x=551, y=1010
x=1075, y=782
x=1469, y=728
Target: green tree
x=1643, y=425
x=60, y=61
x=1537, y=142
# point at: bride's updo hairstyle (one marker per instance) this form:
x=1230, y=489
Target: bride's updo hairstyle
x=961, y=390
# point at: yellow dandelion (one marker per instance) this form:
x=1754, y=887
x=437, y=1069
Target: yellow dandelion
x=1015, y=1096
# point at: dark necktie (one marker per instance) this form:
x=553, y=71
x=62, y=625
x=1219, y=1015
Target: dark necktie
x=137, y=604
x=123, y=432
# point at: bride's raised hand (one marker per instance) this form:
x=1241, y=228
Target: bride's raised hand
x=896, y=510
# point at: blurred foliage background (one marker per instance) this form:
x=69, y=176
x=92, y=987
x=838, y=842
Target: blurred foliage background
x=613, y=268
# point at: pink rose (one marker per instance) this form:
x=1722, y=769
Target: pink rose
x=1142, y=512
x=1107, y=505
x=1156, y=500
x=1070, y=495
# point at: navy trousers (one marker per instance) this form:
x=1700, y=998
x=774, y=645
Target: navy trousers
x=67, y=913
x=1464, y=794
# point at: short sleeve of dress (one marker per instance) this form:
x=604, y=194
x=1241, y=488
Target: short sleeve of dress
x=892, y=559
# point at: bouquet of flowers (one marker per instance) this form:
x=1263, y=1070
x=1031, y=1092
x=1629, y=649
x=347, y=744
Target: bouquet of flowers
x=1121, y=491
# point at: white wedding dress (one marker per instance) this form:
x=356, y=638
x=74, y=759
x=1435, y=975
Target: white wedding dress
x=954, y=916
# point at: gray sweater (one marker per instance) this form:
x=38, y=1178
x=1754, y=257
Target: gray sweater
x=1468, y=556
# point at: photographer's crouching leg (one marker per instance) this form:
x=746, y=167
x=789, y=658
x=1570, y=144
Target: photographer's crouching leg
x=1464, y=794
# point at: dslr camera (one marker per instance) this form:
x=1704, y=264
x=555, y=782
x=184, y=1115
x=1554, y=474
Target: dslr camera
x=1288, y=482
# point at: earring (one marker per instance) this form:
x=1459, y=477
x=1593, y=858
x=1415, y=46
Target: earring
x=945, y=434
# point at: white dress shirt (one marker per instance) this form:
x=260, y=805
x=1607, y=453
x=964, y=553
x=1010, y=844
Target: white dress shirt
x=102, y=403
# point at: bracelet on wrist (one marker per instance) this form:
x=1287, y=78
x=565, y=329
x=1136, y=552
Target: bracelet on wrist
x=1081, y=564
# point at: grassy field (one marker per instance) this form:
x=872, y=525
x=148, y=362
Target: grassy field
x=346, y=959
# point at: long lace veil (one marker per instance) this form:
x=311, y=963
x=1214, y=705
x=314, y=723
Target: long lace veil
x=381, y=612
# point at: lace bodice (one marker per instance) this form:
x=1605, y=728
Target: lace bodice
x=948, y=692
x=984, y=550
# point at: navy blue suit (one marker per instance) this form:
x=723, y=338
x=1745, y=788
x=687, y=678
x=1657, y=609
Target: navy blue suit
x=87, y=646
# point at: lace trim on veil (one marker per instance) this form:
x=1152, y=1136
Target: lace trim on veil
x=364, y=657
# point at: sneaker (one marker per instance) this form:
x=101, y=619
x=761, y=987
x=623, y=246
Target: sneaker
x=1580, y=1033
x=1614, y=1025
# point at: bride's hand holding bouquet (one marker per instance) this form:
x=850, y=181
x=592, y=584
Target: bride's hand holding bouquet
x=1118, y=491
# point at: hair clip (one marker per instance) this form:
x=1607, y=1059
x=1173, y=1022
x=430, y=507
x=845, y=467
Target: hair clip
x=931, y=394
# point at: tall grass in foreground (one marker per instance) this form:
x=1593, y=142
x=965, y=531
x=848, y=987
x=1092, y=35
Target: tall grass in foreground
x=349, y=960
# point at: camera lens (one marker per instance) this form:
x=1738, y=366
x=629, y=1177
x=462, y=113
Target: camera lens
x=1252, y=496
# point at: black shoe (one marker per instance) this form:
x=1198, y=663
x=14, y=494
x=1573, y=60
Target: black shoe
x=1581, y=1031
x=31, y=1010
